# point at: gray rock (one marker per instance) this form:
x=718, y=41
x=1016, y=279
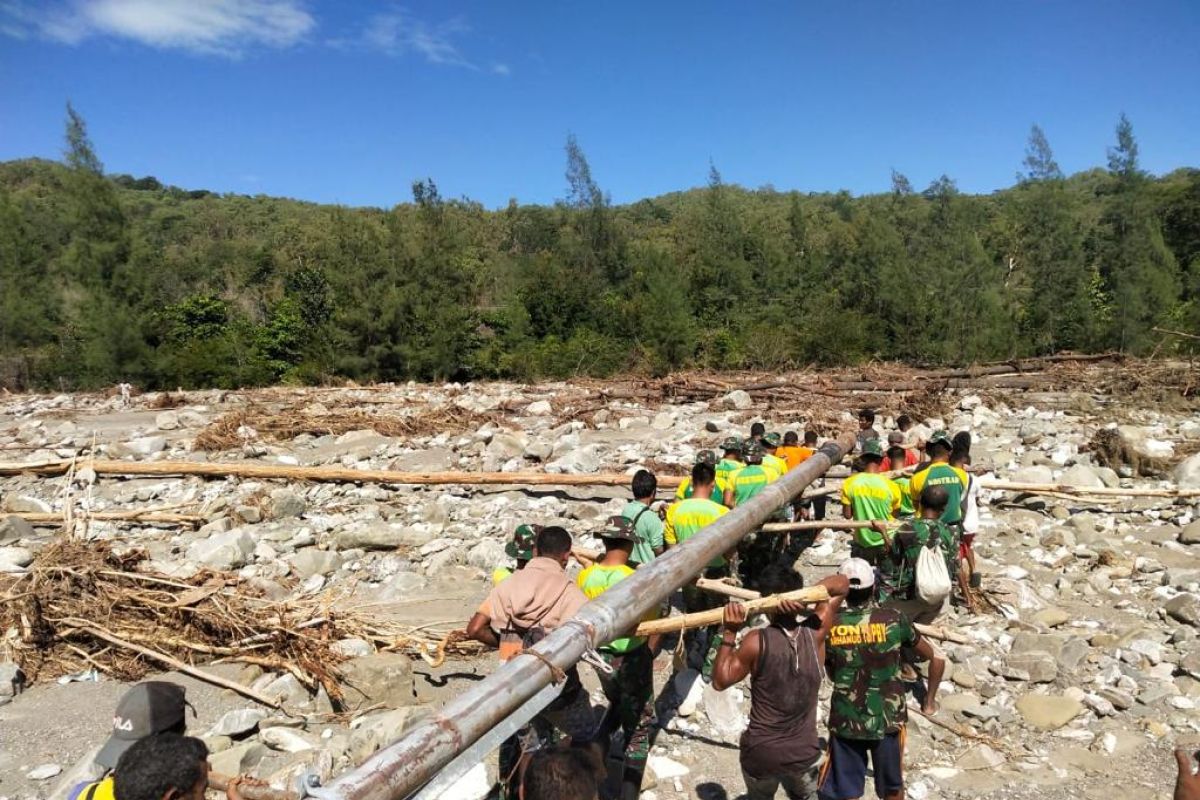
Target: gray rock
x=539, y=408
x=1119, y=699
x=1048, y=712
x=737, y=399
x=352, y=648
x=218, y=525
x=1185, y=608
x=385, y=678
x=248, y=514
x=1081, y=475
x=239, y=759
x=980, y=757
x=224, y=551
x=43, y=772
x=287, y=690
x=311, y=561
x=1187, y=473
x=382, y=536
x=539, y=450
x=238, y=723
x=504, y=446
x=147, y=445
x=1038, y=474
x=167, y=421
x=285, y=740
x=487, y=555
x=1051, y=617
x=402, y=586
x=286, y=504
x=377, y=730
x=13, y=529
x=1039, y=666
x=577, y=460
x=1189, y=535
x=15, y=559
x=24, y=504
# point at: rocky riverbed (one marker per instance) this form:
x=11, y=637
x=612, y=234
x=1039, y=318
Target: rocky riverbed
x=1077, y=681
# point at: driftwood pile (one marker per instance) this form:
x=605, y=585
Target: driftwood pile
x=85, y=605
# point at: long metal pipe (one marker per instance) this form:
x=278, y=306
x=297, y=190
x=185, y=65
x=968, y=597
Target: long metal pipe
x=403, y=767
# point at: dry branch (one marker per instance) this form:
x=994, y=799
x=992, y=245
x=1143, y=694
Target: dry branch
x=700, y=619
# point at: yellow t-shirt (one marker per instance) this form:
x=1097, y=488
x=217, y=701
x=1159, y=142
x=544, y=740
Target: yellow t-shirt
x=688, y=517
x=870, y=497
x=685, y=487
x=775, y=463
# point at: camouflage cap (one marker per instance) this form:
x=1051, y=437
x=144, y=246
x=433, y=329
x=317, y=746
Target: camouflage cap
x=772, y=439
x=940, y=437
x=872, y=447
x=521, y=546
x=706, y=457
x=752, y=452
x=732, y=444
x=619, y=528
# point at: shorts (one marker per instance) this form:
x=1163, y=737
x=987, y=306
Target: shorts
x=844, y=775
x=964, y=545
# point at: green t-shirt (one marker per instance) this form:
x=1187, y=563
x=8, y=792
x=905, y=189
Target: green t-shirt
x=940, y=474
x=862, y=659
x=898, y=566
x=725, y=469
x=870, y=497
x=649, y=530
x=906, y=506
x=748, y=481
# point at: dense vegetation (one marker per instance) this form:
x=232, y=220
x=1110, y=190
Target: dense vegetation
x=107, y=278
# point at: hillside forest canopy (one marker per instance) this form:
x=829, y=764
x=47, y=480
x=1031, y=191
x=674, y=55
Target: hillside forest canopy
x=108, y=278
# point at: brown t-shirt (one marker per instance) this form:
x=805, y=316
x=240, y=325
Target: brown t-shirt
x=540, y=594
x=782, y=736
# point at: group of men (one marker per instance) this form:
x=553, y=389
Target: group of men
x=864, y=638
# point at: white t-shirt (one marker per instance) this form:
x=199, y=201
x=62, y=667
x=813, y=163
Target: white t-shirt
x=970, y=521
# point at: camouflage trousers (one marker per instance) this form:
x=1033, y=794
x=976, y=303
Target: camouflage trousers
x=630, y=693
x=696, y=599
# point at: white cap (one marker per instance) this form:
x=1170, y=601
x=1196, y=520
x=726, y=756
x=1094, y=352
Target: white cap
x=860, y=573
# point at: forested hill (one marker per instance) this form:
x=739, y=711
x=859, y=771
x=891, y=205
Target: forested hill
x=109, y=278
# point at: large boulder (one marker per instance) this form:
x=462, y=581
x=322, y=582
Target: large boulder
x=13, y=528
x=224, y=551
x=1081, y=475
x=1187, y=473
x=380, y=678
x=1047, y=712
x=737, y=399
x=1185, y=608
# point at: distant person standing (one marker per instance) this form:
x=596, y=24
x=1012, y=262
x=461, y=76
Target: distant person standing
x=757, y=430
x=685, y=486
x=790, y=451
x=868, y=496
x=520, y=549
x=811, y=507
x=646, y=524
x=939, y=472
x=868, y=709
x=731, y=461
x=907, y=458
x=770, y=444
x=866, y=428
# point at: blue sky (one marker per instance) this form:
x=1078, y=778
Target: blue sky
x=350, y=101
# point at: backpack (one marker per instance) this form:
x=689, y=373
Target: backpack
x=932, y=577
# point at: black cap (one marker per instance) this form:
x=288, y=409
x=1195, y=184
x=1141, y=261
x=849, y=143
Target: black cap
x=148, y=708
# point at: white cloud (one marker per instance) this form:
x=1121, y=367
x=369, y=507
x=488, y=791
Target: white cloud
x=222, y=27
x=502, y=69
x=398, y=33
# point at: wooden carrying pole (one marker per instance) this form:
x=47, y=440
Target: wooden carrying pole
x=331, y=474
x=821, y=524
x=700, y=619
x=738, y=593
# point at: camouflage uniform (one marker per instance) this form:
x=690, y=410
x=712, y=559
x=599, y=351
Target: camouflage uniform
x=630, y=693
x=862, y=657
x=898, y=564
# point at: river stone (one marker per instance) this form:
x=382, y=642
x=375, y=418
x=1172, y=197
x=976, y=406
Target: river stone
x=737, y=399
x=286, y=504
x=238, y=722
x=147, y=445
x=382, y=536
x=1189, y=535
x=1185, y=608
x=1047, y=712
x=980, y=757
x=24, y=504
x=15, y=559
x=1081, y=475
x=1051, y=617
x=224, y=551
x=1187, y=473
x=311, y=561
x=1039, y=666
x=13, y=528
x=167, y=421
x=539, y=408
x=381, y=678
x=239, y=759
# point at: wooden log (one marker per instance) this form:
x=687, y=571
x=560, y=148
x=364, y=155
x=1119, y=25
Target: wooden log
x=819, y=524
x=938, y=632
x=158, y=517
x=700, y=619
x=1062, y=488
x=250, y=791
x=206, y=469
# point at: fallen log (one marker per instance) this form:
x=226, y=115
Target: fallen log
x=701, y=619
x=819, y=524
x=325, y=474
x=250, y=790
x=938, y=632
x=158, y=517
x=1062, y=488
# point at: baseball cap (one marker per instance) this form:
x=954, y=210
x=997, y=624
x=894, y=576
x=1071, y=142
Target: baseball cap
x=872, y=447
x=896, y=437
x=706, y=457
x=860, y=573
x=148, y=708
x=772, y=439
x=619, y=528
x=521, y=545
x=752, y=451
x=732, y=443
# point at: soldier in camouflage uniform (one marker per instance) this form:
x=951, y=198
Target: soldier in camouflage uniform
x=898, y=563
x=867, y=711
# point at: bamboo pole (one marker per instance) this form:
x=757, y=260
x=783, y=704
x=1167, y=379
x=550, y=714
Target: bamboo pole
x=822, y=524
x=700, y=619
x=207, y=469
x=1062, y=488
x=938, y=632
